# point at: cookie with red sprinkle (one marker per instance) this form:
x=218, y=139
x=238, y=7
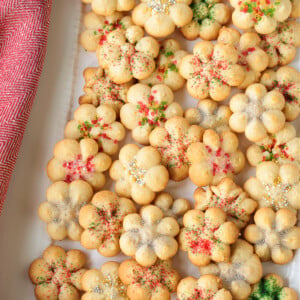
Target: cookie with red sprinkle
x=155, y=282
x=148, y=108
x=281, y=45
x=209, y=115
x=215, y=158
x=61, y=210
x=96, y=123
x=100, y=89
x=74, y=160
x=57, y=274
x=139, y=173
x=262, y=15
x=172, y=141
x=257, y=112
x=212, y=70
x=167, y=66
x=124, y=60
x=228, y=196
x=281, y=147
x=109, y=7
x=104, y=283
x=250, y=55
x=160, y=18
x=274, y=234
x=207, y=236
x=102, y=222
x=287, y=81
x=207, y=287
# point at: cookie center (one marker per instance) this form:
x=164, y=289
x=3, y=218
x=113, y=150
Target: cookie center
x=136, y=174
x=219, y=161
x=254, y=108
x=272, y=238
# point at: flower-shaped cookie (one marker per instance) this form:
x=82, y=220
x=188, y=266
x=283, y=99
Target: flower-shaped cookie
x=208, y=17
x=250, y=55
x=61, y=210
x=272, y=286
x=207, y=236
x=57, y=274
x=207, y=287
x=209, y=115
x=228, y=196
x=281, y=44
x=275, y=185
x=139, y=173
x=149, y=236
x=257, y=112
x=102, y=222
x=167, y=66
x=78, y=160
x=243, y=270
x=274, y=234
x=172, y=142
x=281, y=147
x=100, y=89
x=287, y=81
x=211, y=70
x=109, y=7
x=104, y=283
x=96, y=123
x=98, y=27
x=151, y=283
x=161, y=17
x=148, y=108
x=172, y=208
x=124, y=60
x=262, y=15
x=215, y=158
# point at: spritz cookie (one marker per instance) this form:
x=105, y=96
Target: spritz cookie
x=207, y=287
x=78, y=160
x=104, y=283
x=287, y=81
x=275, y=185
x=96, y=123
x=109, y=7
x=149, y=283
x=274, y=234
x=61, y=210
x=208, y=18
x=281, y=147
x=243, y=270
x=97, y=28
x=102, y=222
x=209, y=115
x=148, y=108
x=271, y=286
x=281, y=45
x=215, y=158
x=171, y=207
x=124, y=60
x=57, y=274
x=211, y=70
x=161, y=17
x=257, y=112
x=207, y=236
x=172, y=141
x=263, y=16
x=149, y=236
x=100, y=89
x=167, y=66
x=228, y=196
x=139, y=173
x=250, y=55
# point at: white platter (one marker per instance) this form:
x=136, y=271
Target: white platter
x=23, y=235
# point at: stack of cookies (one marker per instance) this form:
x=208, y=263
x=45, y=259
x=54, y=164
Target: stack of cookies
x=228, y=230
